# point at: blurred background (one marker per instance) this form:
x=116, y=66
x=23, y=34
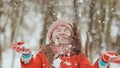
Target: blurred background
x=28, y=21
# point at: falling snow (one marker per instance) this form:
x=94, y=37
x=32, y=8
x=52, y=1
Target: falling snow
x=56, y=63
x=33, y=22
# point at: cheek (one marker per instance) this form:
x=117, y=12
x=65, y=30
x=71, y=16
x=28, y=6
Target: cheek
x=68, y=33
x=54, y=36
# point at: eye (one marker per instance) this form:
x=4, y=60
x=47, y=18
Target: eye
x=57, y=30
x=66, y=30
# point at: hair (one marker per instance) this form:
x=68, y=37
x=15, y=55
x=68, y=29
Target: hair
x=76, y=43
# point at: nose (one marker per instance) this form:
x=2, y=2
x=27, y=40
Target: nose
x=62, y=32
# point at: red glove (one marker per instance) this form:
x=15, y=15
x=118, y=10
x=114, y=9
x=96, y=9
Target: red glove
x=106, y=57
x=19, y=47
x=115, y=60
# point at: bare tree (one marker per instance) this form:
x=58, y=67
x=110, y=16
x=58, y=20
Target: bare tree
x=1, y=12
x=117, y=43
x=92, y=27
x=100, y=26
x=75, y=5
x=108, y=39
x=16, y=17
x=49, y=17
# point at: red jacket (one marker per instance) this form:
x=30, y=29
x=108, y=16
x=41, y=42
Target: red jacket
x=74, y=61
x=96, y=65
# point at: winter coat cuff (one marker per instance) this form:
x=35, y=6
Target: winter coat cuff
x=26, y=55
x=102, y=63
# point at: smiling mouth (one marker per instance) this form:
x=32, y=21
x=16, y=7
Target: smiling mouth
x=62, y=38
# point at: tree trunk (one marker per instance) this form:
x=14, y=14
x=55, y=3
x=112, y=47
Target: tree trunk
x=91, y=28
x=76, y=11
x=100, y=27
x=49, y=17
x=17, y=19
x=1, y=12
x=108, y=38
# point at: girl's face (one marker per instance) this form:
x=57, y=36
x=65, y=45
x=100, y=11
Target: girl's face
x=61, y=35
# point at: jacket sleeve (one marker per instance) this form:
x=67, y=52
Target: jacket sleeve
x=100, y=64
x=84, y=62
x=40, y=61
x=95, y=65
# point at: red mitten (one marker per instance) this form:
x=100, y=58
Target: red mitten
x=115, y=60
x=108, y=55
x=20, y=47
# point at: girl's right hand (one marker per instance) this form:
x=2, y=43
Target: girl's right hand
x=20, y=48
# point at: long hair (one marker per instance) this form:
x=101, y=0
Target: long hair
x=76, y=39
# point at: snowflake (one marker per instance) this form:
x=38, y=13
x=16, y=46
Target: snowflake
x=56, y=63
x=68, y=63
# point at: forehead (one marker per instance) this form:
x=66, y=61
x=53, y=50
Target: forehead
x=61, y=27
